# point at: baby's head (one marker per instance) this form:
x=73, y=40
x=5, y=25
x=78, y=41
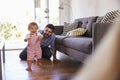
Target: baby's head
x=32, y=27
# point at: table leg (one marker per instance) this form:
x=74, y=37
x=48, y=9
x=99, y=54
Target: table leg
x=0, y=66
x=3, y=53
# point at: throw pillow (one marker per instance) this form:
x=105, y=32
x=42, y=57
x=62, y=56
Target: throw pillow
x=111, y=17
x=69, y=26
x=77, y=32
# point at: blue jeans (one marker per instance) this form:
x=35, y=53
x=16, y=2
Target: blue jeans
x=46, y=53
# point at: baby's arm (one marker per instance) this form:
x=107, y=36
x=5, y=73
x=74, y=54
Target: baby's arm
x=40, y=36
x=27, y=37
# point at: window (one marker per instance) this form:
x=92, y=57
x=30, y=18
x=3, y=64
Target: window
x=20, y=12
x=47, y=13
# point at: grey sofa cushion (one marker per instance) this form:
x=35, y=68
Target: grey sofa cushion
x=69, y=26
x=58, y=29
x=99, y=19
x=111, y=17
x=87, y=24
x=79, y=43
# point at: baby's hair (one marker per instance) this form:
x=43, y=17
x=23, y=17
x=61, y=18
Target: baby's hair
x=32, y=24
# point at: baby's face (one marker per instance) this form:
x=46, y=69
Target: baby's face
x=33, y=29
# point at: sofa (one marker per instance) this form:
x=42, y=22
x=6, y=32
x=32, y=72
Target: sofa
x=80, y=47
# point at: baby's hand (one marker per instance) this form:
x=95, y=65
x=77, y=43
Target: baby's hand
x=40, y=37
x=26, y=39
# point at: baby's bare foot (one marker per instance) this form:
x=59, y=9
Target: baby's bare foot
x=39, y=64
x=28, y=69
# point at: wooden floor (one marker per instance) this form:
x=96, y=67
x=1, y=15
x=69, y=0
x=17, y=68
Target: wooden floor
x=14, y=68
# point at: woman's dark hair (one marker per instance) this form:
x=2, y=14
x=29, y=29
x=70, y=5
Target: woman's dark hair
x=51, y=26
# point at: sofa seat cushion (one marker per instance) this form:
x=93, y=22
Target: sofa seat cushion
x=79, y=43
x=59, y=39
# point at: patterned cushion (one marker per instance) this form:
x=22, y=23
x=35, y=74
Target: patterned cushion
x=69, y=26
x=111, y=17
x=76, y=32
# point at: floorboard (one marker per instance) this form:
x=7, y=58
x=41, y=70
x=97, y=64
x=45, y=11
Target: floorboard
x=14, y=68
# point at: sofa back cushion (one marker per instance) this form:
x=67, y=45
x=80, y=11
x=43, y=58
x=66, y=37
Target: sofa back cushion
x=87, y=24
x=69, y=26
x=77, y=32
x=99, y=19
x=58, y=29
x=112, y=16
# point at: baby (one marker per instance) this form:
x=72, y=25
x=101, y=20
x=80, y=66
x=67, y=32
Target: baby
x=33, y=49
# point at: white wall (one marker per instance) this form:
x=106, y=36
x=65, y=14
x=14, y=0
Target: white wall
x=65, y=12
x=108, y=5
x=85, y=8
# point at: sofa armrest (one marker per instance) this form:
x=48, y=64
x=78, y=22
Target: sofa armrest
x=98, y=32
x=58, y=29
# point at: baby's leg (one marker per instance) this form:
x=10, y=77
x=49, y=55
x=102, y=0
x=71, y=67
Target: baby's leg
x=38, y=56
x=30, y=56
x=39, y=62
x=29, y=63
